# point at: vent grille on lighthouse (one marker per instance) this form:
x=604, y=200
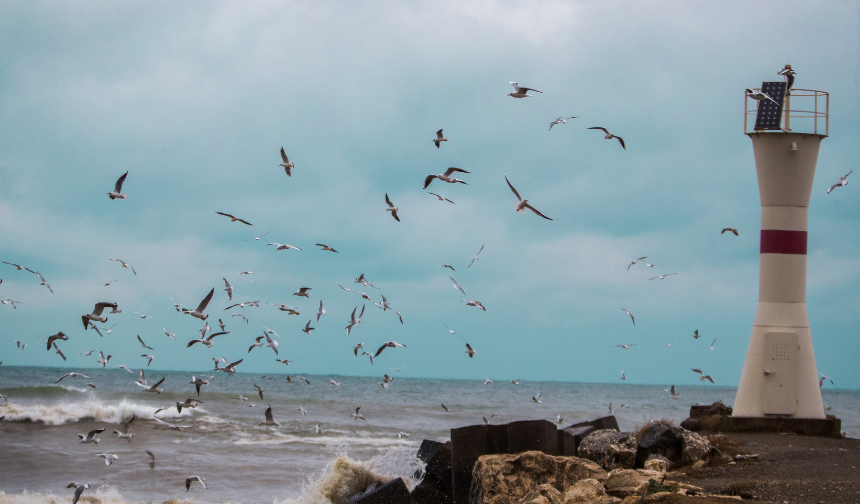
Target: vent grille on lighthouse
x=769, y=115
x=781, y=352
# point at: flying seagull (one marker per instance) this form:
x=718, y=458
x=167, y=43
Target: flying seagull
x=125, y=426
x=191, y=479
x=439, y=138
x=842, y=181
x=702, y=376
x=259, y=391
x=321, y=312
x=712, y=344
x=287, y=164
x=357, y=415
x=560, y=120
x=198, y=382
x=475, y=303
x=634, y=262
x=789, y=74
x=609, y=136
x=71, y=375
x=662, y=277
x=303, y=292
x=283, y=246
x=234, y=218
x=198, y=313
x=44, y=282
x=823, y=378
x=307, y=330
x=731, y=230
x=631, y=316
x=96, y=315
x=474, y=258
x=441, y=198
x=228, y=288
x=536, y=398
x=447, y=409
x=144, y=345
x=457, y=286
x=79, y=489
x=671, y=392
x=326, y=247
x=391, y=208
x=125, y=265
x=272, y=343
x=445, y=177
x=471, y=351
x=117, y=188
x=54, y=337
x=90, y=436
x=523, y=203
x=354, y=321
x=760, y=96
x=388, y=344
x=521, y=92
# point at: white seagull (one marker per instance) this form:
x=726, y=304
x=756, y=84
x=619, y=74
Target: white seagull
x=671, y=392
x=471, y=351
x=109, y=457
x=287, y=164
x=307, y=330
x=233, y=218
x=475, y=303
x=388, y=344
x=71, y=375
x=117, y=188
x=474, y=258
x=283, y=246
x=125, y=426
x=125, y=265
x=270, y=418
x=79, y=489
x=272, y=343
x=326, y=247
x=354, y=321
x=631, y=316
x=560, y=120
x=191, y=479
x=228, y=288
x=303, y=292
x=96, y=315
x=357, y=415
x=439, y=138
x=662, y=277
x=445, y=177
x=91, y=436
x=842, y=181
x=391, y=208
x=523, y=203
x=198, y=313
x=760, y=96
x=521, y=92
x=634, y=262
x=609, y=136
x=457, y=286
x=536, y=398
x=441, y=198
x=199, y=382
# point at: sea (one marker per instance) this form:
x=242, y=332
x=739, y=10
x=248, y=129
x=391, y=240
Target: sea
x=242, y=461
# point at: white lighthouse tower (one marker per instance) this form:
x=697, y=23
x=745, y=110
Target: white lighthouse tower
x=780, y=378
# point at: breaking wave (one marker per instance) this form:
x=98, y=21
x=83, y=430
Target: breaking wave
x=85, y=409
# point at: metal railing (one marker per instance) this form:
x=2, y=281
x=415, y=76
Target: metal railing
x=809, y=98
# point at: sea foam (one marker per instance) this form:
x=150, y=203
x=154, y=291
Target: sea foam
x=84, y=409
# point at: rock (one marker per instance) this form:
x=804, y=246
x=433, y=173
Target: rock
x=467, y=445
x=625, y=482
x=544, y=494
x=607, y=422
x=393, y=492
x=699, y=464
x=657, y=439
x=611, y=449
x=694, y=448
x=508, y=478
x=588, y=491
x=429, y=492
x=532, y=435
x=569, y=439
x=692, y=424
x=438, y=469
x=428, y=449
x=658, y=463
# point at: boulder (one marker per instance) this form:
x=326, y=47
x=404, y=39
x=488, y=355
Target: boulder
x=508, y=478
x=694, y=448
x=658, y=439
x=467, y=445
x=438, y=468
x=428, y=449
x=544, y=494
x=658, y=463
x=625, y=482
x=532, y=435
x=429, y=492
x=588, y=491
x=692, y=424
x=569, y=439
x=611, y=449
x=393, y=492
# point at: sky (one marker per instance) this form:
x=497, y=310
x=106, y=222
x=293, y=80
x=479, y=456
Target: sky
x=195, y=99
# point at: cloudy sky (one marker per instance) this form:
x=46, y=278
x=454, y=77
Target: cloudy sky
x=194, y=100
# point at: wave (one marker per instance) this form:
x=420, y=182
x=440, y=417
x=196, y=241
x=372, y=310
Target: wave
x=45, y=392
x=104, y=494
x=344, y=477
x=351, y=442
x=87, y=409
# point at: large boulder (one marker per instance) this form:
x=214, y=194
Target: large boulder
x=588, y=491
x=625, y=482
x=659, y=439
x=611, y=449
x=393, y=492
x=508, y=478
x=544, y=494
x=694, y=448
x=658, y=463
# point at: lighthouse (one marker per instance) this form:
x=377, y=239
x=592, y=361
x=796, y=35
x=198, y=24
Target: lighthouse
x=779, y=382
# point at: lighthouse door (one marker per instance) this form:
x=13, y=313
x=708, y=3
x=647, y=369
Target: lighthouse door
x=780, y=367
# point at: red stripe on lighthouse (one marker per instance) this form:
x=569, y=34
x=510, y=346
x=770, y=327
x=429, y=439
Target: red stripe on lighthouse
x=777, y=241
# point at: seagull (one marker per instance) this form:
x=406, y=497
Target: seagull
x=622, y=376
x=364, y=295
x=206, y=341
x=148, y=358
x=258, y=344
x=188, y=403
x=171, y=426
x=198, y=313
x=108, y=283
x=821, y=381
x=442, y=198
x=287, y=164
x=789, y=74
x=626, y=347
x=284, y=361
x=117, y=190
x=560, y=120
x=18, y=266
x=391, y=208
x=291, y=310
x=631, y=316
x=842, y=181
x=59, y=352
x=445, y=177
x=245, y=272
x=259, y=391
x=385, y=306
x=222, y=325
x=634, y=262
x=240, y=315
x=447, y=409
x=447, y=266
x=154, y=388
x=662, y=277
x=228, y=288
x=399, y=316
x=96, y=315
x=696, y=334
x=191, y=479
x=457, y=286
x=356, y=348
x=474, y=258
x=702, y=376
x=474, y=302
x=388, y=344
x=303, y=292
x=354, y=321
x=307, y=330
x=169, y=334
x=44, y=282
x=79, y=489
x=516, y=382
x=559, y=420
x=59, y=336
x=233, y=218
x=523, y=203
x=198, y=382
x=363, y=281
x=90, y=437
x=142, y=381
x=302, y=378
x=317, y=429
x=144, y=345
x=332, y=382
x=712, y=344
x=72, y=375
x=610, y=408
x=439, y=138
x=733, y=230
x=271, y=343
x=10, y=301
x=283, y=246
x=326, y=247
x=104, y=360
x=760, y=96
x=672, y=393
x=521, y=92
x=231, y=368
x=470, y=351
x=487, y=382
x=402, y=435
x=369, y=356
x=125, y=426
x=125, y=265
x=536, y=398
x=357, y=415
x=609, y=136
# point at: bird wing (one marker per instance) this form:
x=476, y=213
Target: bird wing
x=537, y=212
x=513, y=189
x=439, y=134
x=159, y=383
x=515, y=86
x=244, y=221
x=225, y=215
x=622, y=142
x=284, y=156
x=453, y=169
x=390, y=205
x=383, y=347
x=697, y=370
x=119, y=181
x=203, y=304
x=394, y=214
x=226, y=283
x=600, y=128
x=834, y=186
x=269, y=416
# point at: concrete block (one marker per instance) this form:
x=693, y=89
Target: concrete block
x=467, y=445
x=393, y=492
x=439, y=469
x=428, y=449
x=428, y=492
x=532, y=435
x=569, y=439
